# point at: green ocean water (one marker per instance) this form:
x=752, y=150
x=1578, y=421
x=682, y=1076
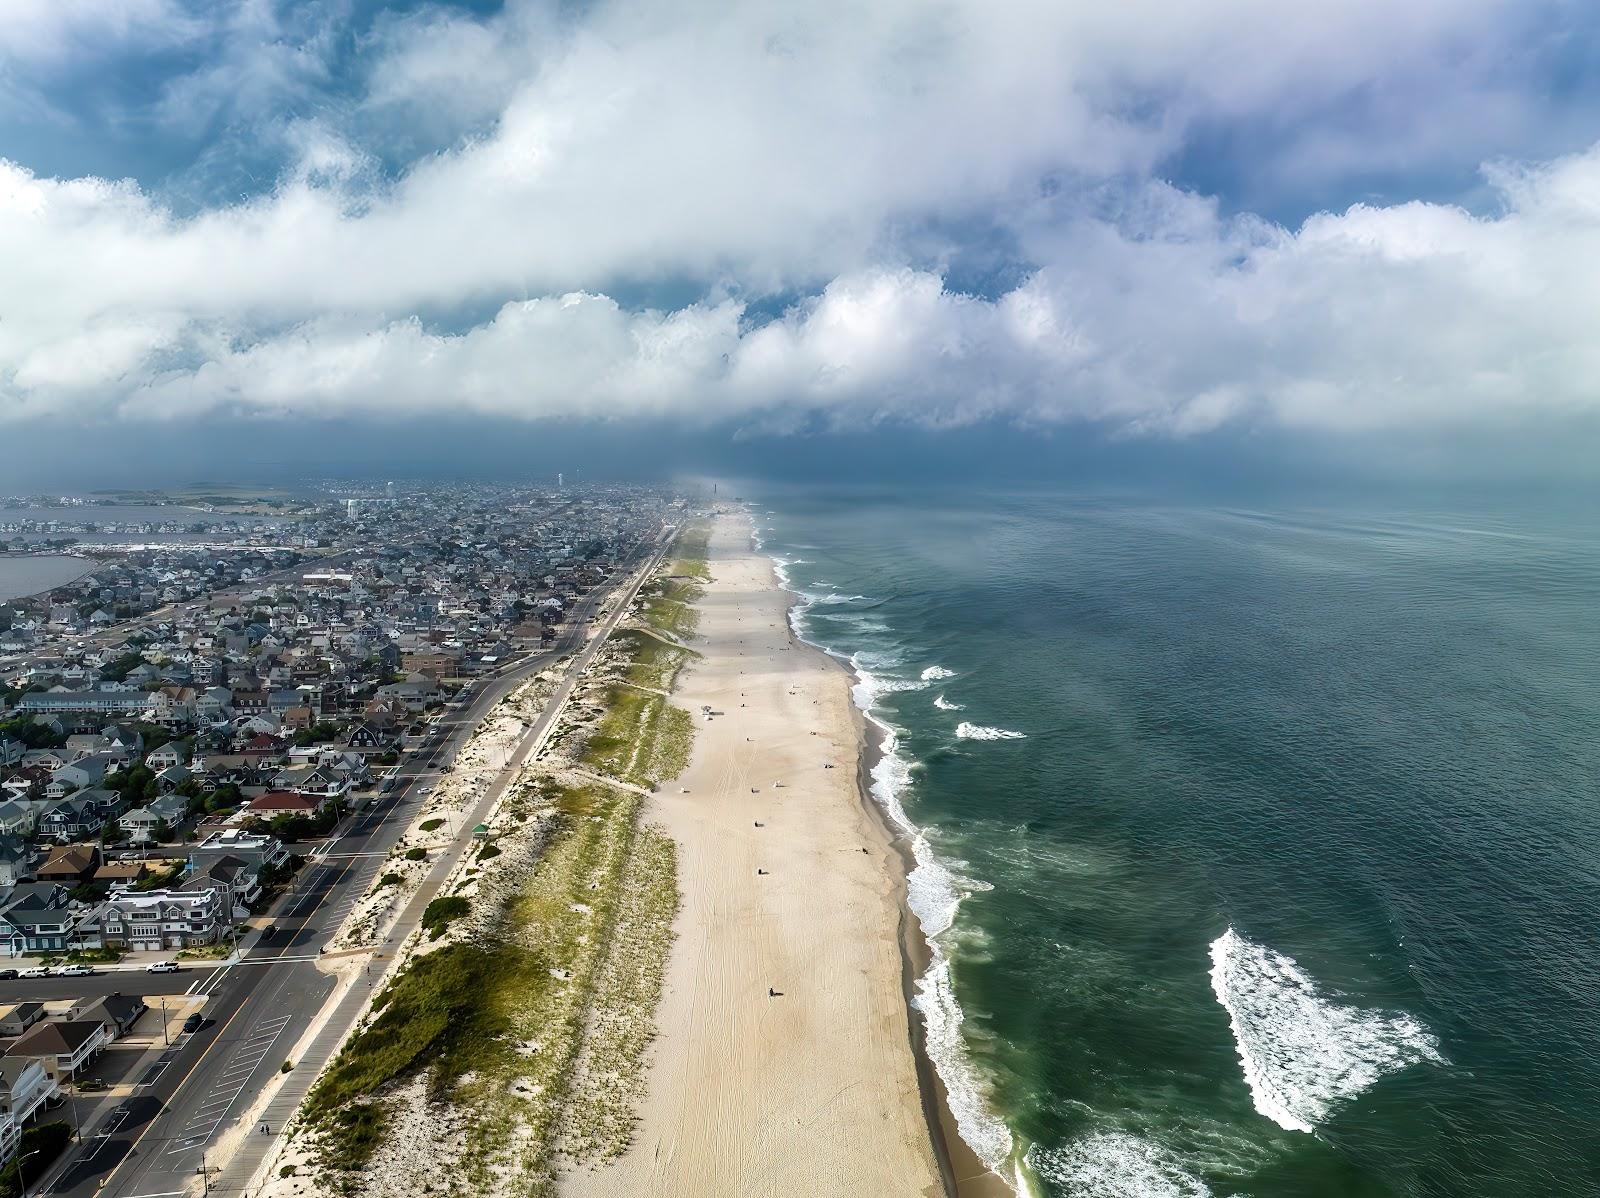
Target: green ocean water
x=1261, y=847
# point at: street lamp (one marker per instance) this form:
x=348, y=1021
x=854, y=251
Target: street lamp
x=22, y=1179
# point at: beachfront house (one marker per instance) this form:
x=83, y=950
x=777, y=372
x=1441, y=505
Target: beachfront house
x=62, y=1047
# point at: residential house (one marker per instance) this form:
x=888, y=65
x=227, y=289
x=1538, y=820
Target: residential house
x=173, y=753
x=117, y=1013
x=25, y=1088
x=159, y=919
x=143, y=823
x=16, y=1018
x=120, y=873
x=79, y=815
x=285, y=802
x=19, y=817
x=81, y=774
x=70, y=865
x=323, y=781
x=13, y=860
x=62, y=1047
x=36, y=919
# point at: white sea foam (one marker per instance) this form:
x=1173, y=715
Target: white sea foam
x=872, y=686
x=933, y=892
x=968, y=731
x=1116, y=1165
x=944, y=704
x=1302, y=1052
x=933, y=673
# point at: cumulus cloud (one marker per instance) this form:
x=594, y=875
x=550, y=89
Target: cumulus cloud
x=840, y=153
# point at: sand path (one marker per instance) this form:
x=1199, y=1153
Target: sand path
x=812, y=1091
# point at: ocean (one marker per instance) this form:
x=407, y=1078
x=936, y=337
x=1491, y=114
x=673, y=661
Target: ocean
x=1260, y=849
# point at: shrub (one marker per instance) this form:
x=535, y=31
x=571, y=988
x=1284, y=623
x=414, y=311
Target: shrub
x=416, y=854
x=437, y=915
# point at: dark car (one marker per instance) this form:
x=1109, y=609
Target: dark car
x=268, y=932
x=7, y=974
x=194, y=1023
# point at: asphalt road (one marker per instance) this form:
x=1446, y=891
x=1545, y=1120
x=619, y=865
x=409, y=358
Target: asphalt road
x=156, y=1142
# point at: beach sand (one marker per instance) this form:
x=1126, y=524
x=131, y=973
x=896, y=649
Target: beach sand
x=813, y=1090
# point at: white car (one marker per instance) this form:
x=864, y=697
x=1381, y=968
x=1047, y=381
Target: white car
x=38, y=971
x=161, y=967
x=72, y=971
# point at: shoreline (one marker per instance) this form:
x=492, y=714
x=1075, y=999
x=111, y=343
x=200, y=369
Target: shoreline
x=90, y=565
x=784, y=1059
x=964, y=1173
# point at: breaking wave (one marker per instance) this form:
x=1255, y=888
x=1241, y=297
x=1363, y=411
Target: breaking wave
x=933, y=673
x=1115, y=1165
x=944, y=704
x=968, y=731
x=1303, y=1053
x=934, y=890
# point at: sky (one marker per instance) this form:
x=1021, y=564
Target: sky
x=1213, y=235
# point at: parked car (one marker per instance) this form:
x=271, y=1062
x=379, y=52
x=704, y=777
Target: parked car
x=37, y=971
x=194, y=1023
x=7, y=974
x=161, y=967
x=72, y=971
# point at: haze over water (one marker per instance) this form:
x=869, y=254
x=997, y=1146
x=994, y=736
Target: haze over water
x=1276, y=830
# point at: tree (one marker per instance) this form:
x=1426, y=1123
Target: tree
x=36, y=1152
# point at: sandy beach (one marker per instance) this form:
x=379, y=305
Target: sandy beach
x=784, y=1059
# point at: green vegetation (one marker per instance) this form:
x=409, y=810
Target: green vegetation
x=642, y=738
x=159, y=879
x=121, y=667
x=430, y=825
x=690, y=551
x=416, y=854
x=669, y=606
x=439, y=914
x=497, y=1025
x=390, y=879
x=653, y=662
x=37, y=1150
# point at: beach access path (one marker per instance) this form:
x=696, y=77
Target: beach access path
x=783, y=1063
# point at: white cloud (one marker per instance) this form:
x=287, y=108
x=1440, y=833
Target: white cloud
x=46, y=32
x=743, y=150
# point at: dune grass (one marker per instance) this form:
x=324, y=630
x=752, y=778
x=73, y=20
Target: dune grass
x=652, y=662
x=575, y=938
x=643, y=738
x=667, y=604
x=690, y=550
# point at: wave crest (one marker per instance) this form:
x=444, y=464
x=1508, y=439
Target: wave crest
x=1301, y=1052
x=968, y=731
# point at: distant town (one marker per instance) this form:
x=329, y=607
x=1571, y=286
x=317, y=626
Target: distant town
x=187, y=723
